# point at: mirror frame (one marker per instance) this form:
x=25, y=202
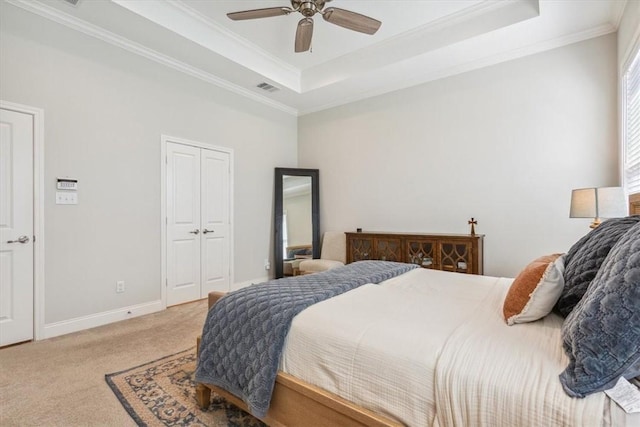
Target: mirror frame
x=278, y=211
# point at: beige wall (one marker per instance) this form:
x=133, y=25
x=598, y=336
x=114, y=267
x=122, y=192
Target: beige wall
x=504, y=144
x=105, y=111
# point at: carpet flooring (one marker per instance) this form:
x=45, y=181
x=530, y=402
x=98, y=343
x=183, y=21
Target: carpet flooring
x=162, y=393
x=61, y=381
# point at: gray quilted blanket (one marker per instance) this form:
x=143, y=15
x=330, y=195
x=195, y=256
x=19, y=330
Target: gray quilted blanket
x=244, y=333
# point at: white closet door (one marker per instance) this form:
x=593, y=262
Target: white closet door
x=215, y=221
x=16, y=227
x=183, y=224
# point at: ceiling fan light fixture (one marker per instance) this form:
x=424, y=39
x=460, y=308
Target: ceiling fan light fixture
x=311, y=6
x=308, y=9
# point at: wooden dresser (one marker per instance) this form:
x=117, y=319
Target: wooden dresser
x=634, y=204
x=449, y=252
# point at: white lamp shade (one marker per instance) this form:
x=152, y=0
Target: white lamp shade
x=603, y=202
x=612, y=202
x=583, y=203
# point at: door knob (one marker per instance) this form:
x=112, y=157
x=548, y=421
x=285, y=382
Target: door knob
x=196, y=231
x=205, y=231
x=21, y=239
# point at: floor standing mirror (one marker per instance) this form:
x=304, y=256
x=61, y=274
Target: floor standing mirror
x=297, y=219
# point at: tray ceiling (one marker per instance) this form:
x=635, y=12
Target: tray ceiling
x=418, y=41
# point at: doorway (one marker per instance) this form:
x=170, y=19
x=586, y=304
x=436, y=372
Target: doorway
x=197, y=181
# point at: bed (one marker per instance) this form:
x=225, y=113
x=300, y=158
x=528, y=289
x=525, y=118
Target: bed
x=432, y=348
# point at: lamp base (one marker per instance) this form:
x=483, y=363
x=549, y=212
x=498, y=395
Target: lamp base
x=596, y=222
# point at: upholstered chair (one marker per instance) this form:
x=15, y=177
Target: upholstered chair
x=333, y=254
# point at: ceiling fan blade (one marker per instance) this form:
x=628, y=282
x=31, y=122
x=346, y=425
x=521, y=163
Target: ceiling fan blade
x=303, y=35
x=351, y=20
x=259, y=13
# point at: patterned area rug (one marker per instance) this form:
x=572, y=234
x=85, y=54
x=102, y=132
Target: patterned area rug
x=162, y=393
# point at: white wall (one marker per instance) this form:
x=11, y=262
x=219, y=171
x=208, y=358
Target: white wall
x=105, y=110
x=504, y=144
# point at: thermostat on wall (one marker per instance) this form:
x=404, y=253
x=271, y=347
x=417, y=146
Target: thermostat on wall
x=67, y=184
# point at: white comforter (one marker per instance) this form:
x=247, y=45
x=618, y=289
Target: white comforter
x=431, y=348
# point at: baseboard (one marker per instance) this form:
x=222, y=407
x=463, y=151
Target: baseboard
x=51, y=330
x=240, y=285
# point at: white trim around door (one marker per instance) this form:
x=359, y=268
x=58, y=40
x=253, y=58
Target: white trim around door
x=38, y=212
x=165, y=140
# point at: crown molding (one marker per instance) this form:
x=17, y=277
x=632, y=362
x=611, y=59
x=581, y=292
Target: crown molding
x=367, y=79
x=617, y=12
x=459, y=17
x=197, y=28
x=179, y=5
x=84, y=27
x=512, y=54
x=447, y=30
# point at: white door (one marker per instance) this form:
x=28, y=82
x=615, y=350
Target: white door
x=16, y=227
x=183, y=223
x=198, y=196
x=215, y=221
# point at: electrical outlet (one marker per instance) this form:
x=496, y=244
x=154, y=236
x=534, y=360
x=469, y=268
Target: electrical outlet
x=120, y=286
x=267, y=264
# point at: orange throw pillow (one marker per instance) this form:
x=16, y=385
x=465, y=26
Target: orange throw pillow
x=535, y=291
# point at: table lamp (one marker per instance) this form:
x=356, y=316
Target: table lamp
x=597, y=203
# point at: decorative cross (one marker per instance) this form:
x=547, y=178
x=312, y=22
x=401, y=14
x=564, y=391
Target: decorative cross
x=473, y=223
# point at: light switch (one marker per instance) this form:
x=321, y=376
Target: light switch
x=66, y=198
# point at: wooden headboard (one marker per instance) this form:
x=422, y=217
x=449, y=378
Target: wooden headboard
x=634, y=204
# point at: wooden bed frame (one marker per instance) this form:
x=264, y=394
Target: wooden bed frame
x=297, y=403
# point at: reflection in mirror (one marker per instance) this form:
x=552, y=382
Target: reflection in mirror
x=296, y=217
x=297, y=228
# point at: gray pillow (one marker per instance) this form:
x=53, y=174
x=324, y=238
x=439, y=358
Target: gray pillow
x=601, y=336
x=585, y=257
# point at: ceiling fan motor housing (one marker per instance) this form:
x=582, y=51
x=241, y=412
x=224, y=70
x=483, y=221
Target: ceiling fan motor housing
x=308, y=8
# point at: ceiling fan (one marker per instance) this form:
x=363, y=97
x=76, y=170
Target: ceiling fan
x=344, y=18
